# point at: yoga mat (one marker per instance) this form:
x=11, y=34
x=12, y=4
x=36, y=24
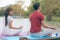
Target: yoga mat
x=29, y=37
x=12, y=38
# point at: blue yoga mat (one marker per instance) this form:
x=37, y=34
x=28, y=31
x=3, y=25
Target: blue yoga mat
x=12, y=38
x=29, y=37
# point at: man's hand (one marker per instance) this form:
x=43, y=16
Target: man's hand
x=53, y=27
x=20, y=27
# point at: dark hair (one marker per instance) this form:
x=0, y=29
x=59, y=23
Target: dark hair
x=36, y=6
x=6, y=15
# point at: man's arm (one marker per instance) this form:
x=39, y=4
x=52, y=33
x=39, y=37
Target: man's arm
x=47, y=26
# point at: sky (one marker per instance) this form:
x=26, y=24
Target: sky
x=4, y=3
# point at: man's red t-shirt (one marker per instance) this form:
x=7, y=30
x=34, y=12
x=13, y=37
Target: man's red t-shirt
x=36, y=19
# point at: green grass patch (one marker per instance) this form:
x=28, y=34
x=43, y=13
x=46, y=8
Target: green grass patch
x=56, y=19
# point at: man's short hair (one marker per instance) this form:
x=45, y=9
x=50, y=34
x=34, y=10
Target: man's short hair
x=36, y=6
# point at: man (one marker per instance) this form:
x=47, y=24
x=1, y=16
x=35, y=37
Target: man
x=37, y=20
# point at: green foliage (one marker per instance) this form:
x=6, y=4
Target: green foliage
x=30, y=8
x=51, y=6
x=56, y=19
x=18, y=9
x=48, y=7
x=1, y=12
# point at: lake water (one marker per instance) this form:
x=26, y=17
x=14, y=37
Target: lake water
x=17, y=23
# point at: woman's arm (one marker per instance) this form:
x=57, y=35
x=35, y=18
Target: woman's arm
x=10, y=26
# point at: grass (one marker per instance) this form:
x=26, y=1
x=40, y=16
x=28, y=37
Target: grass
x=56, y=19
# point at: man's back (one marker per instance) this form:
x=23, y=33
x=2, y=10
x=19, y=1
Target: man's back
x=36, y=18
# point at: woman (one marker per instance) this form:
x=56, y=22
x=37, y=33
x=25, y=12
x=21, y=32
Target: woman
x=9, y=29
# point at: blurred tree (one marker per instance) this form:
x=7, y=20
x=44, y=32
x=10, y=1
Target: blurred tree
x=19, y=11
x=50, y=7
x=30, y=8
x=2, y=11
